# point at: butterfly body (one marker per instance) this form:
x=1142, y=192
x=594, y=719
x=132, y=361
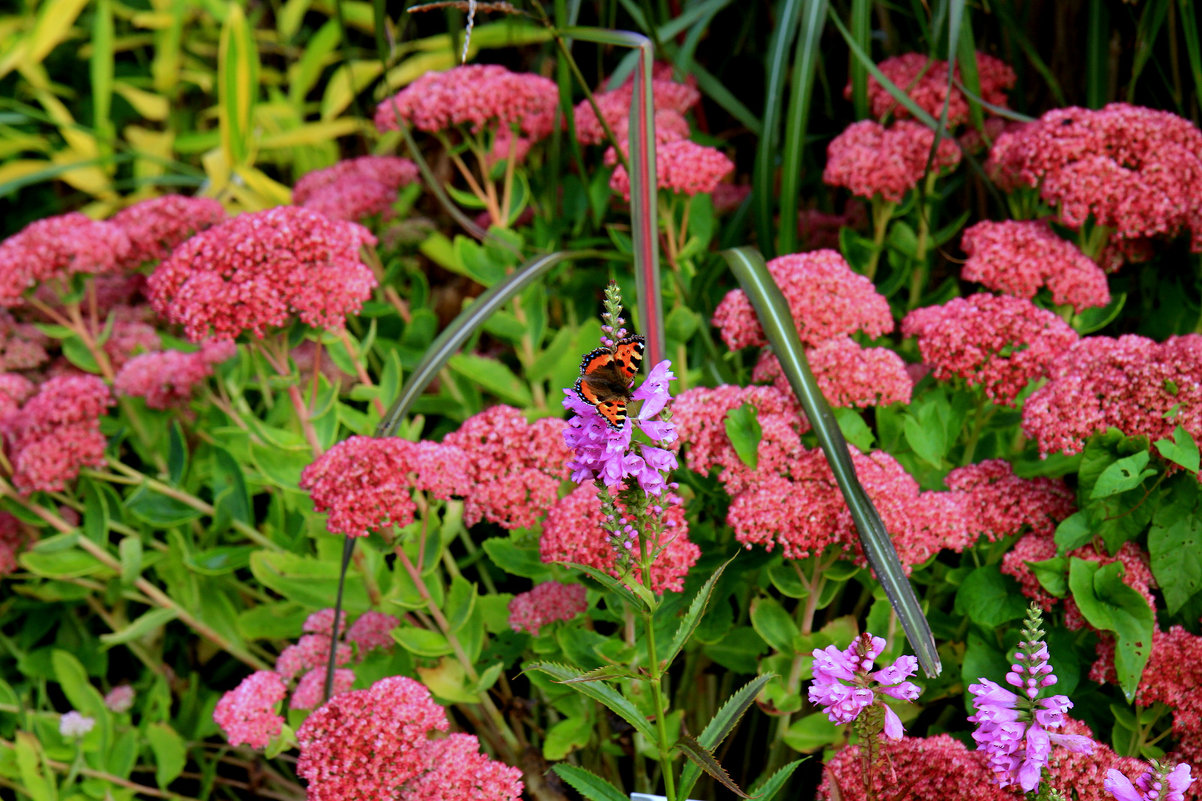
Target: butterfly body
x=605, y=376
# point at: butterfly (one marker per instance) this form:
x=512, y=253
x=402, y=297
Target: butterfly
x=605, y=376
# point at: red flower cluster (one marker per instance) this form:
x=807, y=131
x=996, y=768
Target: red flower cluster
x=58, y=247
x=22, y=345
x=847, y=374
x=455, y=770
x=668, y=96
x=924, y=80
x=826, y=299
x=869, y=159
x=247, y=714
x=1131, y=383
x=996, y=342
x=1017, y=258
x=928, y=768
x=474, y=96
x=259, y=269
x=681, y=166
x=546, y=603
x=12, y=541
x=156, y=226
x=167, y=378
x=997, y=503
x=56, y=432
x=366, y=484
x=355, y=188
x=1132, y=169
x=514, y=467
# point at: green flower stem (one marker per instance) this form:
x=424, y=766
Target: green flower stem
x=275, y=353
x=657, y=672
x=918, y=276
x=882, y=213
x=980, y=419
x=360, y=371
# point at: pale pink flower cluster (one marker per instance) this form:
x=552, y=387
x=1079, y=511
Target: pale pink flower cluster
x=924, y=80
x=930, y=768
x=455, y=770
x=56, y=432
x=167, y=378
x=259, y=270
x=1131, y=169
x=355, y=188
x=826, y=298
x=514, y=467
x=547, y=603
x=310, y=652
x=310, y=690
x=474, y=96
x=156, y=226
x=869, y=159
x=130, y=334
x=1131, y=383
x=372, y=631
x=1017, y=258
x=58, y=247
x=75, y=724
x=248, y=713
x=367, y=483
x=848, y=375
x=120, y=698
x=15, y=389
x=574, y=532
x=22, y=345
x=995, y=342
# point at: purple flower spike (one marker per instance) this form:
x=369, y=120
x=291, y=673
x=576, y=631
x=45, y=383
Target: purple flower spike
x=845, y=684
x=1158, y=783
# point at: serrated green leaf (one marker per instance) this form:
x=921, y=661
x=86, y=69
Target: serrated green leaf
x=704, y=759
x=723, y=723
x=773, y=784
x=600, y=692
x=588, y=784
x=692, y=616
x=610, y=583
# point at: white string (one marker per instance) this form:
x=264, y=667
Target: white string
x=471, y=21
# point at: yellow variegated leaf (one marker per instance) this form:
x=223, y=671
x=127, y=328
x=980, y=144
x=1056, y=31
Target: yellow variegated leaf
x=357, y=14
x=237, y=84
x=217, y=169
x=152, y=20
x=346, y=82
x=100, y=65
x=18, y=169
x=288, y=20
x=150, y=105
x=268, y=191
x=54, y=22
x=78, y=139
x=14, y=143
x=88, y=177
x=314, y=133
x=153, y=150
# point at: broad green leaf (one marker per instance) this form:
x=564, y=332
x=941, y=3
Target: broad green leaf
x=516, y=560
x=744, y=432
x=1175, y=545
x=39, y=785
x=492, y=376
x=130, y=549
x=774, y=625
x=1073, y=532
x=422, y=642
x=151, y=621
x=1181, y=449
x=989, y=599
x=1124, y=474
x=1107, y=603
x=73, y=680
x=811, y=733
x=568, y=735
x=159, y=510
x=170, y=753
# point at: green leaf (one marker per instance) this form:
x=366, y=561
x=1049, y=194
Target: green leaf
x=806, y=64
x=1109, y=604
x=307, y=581
x=230, y=496
x=1073, y=532
x=177, y=453
x=279, y=465
x=739, y=650
x=73, y=680
x=781, y=330
x=774, y=625
x=723, y=723
x=39, y=785
x=130, y=549
x=1052, y=575
x=990, y=599
x=422, y=642
x=623, y=591
x=1124, y=474
x=588, y=784
x=568, y=735
x=598, y=691
x=811, y=733
x=159, y=510
x=170, y=753
x=926, y=435
x=1175, y=545
x=153, y=620
x=773, y=784
x=692, y=616
x=516, y=560
x=492, y=376
x=79, y=355
x=743, y=430
x=237, y=85
x=1181, y=449
x=704, y=759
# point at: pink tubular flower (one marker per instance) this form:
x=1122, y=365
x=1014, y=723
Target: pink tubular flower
x=120, y=698
x=681, y=166
x=848, y=375
x=514, y=467
x=1133, y=170
x=1152, y=785
x=931, y=769
x=371, y=631
x=845, y=684
x=995, y=342
x=869, y=159
x=310, y=690
x=545, y=604
x=258, y=269
x=156, y=226
x=1131, y=383
x=826, y=298
x=924, y=80
x=57, y=247
x=355, y=188
x=57, y=432
x=247, y=714
x=455, y=770
x=999, y=504
x=365, y=483
x=167, y=378
x=473, y=96
x=574, y=532
x=364, y=744
x=1017, y=258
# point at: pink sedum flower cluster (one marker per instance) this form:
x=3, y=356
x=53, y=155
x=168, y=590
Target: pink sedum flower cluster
x=167, y=378
x=156, y=226
x=848, y=375
x=869, y=159
x=366, y=483
x=56, y=432
x=845, y=683
x=826, y=298
x=931, y=769
x=58, y=247
x=1131, y=169
x=12, y=542
x=355, y=188
x=669, y=97
x=995, y=342
x=683, y=167
x=455, y=770
x=1017, y=258
x=924, y=80
x=1131, y=383
x=547, y=603
x=248, y=714
x=997, y=504
x=120, y=698
x=259, y=270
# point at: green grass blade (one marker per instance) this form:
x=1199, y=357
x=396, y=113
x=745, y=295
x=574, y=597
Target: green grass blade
x=967, y=58
x=1146, y=34
x=805, y=68
x=769, y=304
x=1017, y=31
x=1097, y=54
x=763, y=178
x=1190, y=28
x=447, y=343
x=101, y=69
x=644, y=206
x=861, y=31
